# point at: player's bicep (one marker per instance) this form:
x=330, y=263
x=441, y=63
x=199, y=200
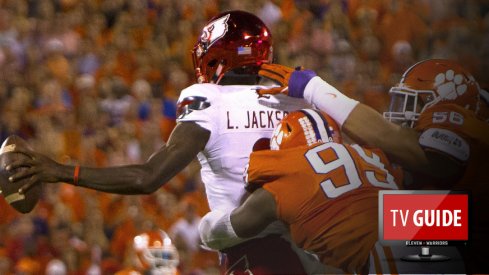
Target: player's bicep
x=185, y=142
x=255, y=214
x=189, y=134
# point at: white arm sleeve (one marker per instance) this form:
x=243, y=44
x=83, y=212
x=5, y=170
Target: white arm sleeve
x=328, y=99
x=216, y=231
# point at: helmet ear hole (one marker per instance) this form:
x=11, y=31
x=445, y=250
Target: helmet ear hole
x=212, y=63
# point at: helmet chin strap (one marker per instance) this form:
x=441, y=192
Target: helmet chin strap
x=410, y=115
x=484, y=95
x=218, y=74
x=232, y=78
x=411, y=118
x=200, y=76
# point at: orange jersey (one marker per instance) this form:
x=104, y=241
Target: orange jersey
x=454, y=131
x=328, y=195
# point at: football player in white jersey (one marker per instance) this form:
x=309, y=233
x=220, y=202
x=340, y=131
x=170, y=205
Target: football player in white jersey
x=219, y=123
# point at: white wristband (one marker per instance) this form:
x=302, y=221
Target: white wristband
x=328, y=99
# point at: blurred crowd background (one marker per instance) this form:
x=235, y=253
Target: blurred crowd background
x=95, y=83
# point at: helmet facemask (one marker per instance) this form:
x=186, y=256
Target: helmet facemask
x=156, y=252
x=407, y=104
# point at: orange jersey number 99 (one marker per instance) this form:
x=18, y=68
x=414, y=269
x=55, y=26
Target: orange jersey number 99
x=347, y=168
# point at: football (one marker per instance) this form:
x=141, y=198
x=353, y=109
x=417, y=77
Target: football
x=22, y=203
x=261, y=144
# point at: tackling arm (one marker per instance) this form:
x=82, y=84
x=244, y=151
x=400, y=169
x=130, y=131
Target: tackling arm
x=362, y=123
x=366, y=126
x=220, y=229
x=256, y=213
x=186, y=140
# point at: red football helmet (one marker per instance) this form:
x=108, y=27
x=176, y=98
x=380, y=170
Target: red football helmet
x=233, y=39
x=431, y=82
x=304, y=127
x=156, y=253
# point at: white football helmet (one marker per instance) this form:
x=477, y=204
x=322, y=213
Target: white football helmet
x=156, y=252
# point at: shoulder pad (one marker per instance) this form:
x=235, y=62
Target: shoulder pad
x=191, y=103
x=446, y=142
x=443, y=116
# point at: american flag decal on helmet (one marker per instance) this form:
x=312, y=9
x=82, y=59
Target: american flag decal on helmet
x=244, y=50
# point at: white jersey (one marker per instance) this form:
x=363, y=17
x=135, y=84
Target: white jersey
x=236, y=118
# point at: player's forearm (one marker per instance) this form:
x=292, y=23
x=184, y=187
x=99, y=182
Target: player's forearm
x=137, y=179
x=134, y=179
x=255, y=214
x=186, y=141
x=366, y=126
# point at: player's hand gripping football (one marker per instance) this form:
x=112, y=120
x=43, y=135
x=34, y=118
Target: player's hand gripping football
x=292, y=81
x=40, y=169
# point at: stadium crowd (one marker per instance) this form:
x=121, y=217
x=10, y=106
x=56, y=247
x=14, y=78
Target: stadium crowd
x=95, y=82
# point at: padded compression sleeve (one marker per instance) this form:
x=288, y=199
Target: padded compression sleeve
x=216, y=231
